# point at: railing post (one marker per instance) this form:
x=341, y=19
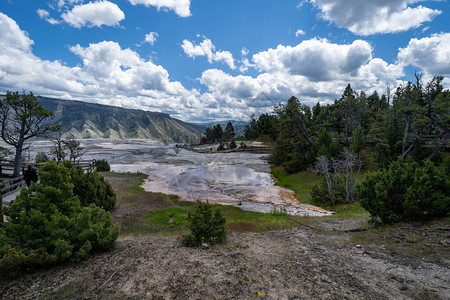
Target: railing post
x=1, y=210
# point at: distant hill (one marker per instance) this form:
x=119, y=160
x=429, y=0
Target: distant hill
x=89, y=120
x=237, y=125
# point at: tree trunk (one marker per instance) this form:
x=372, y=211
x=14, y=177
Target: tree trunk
x=405, y=136
x=1, y=211
x=18, y=159
x=346, y=183
x=329, y=185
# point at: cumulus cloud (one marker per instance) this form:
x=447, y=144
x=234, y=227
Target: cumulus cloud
x=431, y=54
x=151, y=38
x=94, y=14
x=21, y=69
x=180, y=7
x=315, y=70
x=207, y=48
x=299, y=33
x=245, y=61
x=109, y=74
x=374, y=16
x=110, y=67
x=259, y=94
x=316, y=59
x=12, y=37
x=45, y=15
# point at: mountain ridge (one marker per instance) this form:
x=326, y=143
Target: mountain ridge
x=92, y=120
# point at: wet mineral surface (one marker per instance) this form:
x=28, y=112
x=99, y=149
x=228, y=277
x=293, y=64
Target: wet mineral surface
x=237, y=178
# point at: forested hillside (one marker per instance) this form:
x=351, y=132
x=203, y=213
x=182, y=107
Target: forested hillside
x=412, y=120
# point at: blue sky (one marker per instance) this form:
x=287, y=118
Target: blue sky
x=204, y=60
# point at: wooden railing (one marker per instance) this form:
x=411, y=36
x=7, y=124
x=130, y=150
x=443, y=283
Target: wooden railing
x=7, y=170
x=10, y=185
x=7, y=187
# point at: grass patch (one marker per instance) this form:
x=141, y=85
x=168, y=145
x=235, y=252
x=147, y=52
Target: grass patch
x=237, y=219
x=301, y=182
x=171, y=216
x=348, y=211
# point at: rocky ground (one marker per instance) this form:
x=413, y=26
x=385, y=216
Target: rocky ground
x=299, y=263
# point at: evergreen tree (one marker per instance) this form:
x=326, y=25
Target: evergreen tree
x=206, y=225
x=266, y=127
x=358, y=141
x=47, y=225
x=294, y=140
x=250, y=129
x=229, y=132
x=406, y=191
x=92, y=188
x=218, y=133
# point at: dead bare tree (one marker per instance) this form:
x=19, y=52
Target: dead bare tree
x=74, y=148
x=347, y=168
x=352, y=163
x=323, y=167
x=58, y=148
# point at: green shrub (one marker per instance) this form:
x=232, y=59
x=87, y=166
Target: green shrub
x=205, y=226
x=103, y=165
x=92, y=188
x=321, y=196
x=41, y=157
x=47, y=225
x=233, y=145
x=221, y=147
x=406, y=191
x=294, y=164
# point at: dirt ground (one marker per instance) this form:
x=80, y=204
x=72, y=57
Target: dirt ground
x=293, y=263
x=408, y=261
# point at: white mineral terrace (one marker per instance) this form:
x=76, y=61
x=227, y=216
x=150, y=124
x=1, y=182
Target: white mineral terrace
x=238, y=178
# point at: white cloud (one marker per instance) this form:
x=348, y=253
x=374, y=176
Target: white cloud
x=180, y=7
x=299, y=33
x=207, y=48
x=151, y=38
x=374, y=16
x=315, y=70
x=431, y=54
x=109, y=74
x=94, y=14
x=62, y=3
x=318, y=60
x=245, y=61
x=45, y=15
x=118, y=70
x=245, y=65
x=12, y=38
x=21, y=69
x=259, y=94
